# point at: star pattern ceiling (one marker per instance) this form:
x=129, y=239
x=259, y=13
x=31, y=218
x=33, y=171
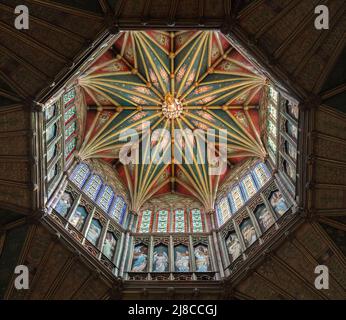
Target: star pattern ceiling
x=173, y=80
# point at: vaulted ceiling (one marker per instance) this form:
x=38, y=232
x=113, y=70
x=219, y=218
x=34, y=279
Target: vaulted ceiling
x=163, y=82
x=279, y=33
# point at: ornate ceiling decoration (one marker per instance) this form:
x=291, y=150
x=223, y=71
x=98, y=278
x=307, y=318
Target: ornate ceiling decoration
x=172, y=80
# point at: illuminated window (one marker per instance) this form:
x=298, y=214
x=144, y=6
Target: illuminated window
x=196, y=218
x=261, y=174
x=162, y=221
x=118, y=208
x=105, y=198
x=249, y=186
x=145, y=221
x=80, y=175
x=236, y=198
x=70, y=147
x=179, y=220
x=93, y=187
x=224, y=210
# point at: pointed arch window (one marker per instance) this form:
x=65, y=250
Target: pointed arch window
x=145, y=221
x=261, y=174
x=92, y=187
x=105, y=198
x=248, y=186
x=179, y=220
x=118, y=209
x=196, y=219
x=224, y=210
x=80, y=174
x=236, y=198
x=162, y=221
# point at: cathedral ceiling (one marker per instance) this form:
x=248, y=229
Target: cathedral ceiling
x=30, y=61
x=186, y=80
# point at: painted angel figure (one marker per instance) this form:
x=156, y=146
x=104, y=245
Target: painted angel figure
x=139, y=260
x=160, y=261
x=182, y=262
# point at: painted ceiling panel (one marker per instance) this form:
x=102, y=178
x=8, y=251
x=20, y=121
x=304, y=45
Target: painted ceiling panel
x=184, y=80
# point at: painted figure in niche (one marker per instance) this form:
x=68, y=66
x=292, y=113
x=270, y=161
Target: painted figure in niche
x=182, y=259
x=140, y=258
x=160, y=263
x=264, y=217
x=278, y=202
x=202, y=258
x=94, y=231
x=78, y=218
x=233, y=246
x=109, y=245
x=248, y=232
x=64, y=204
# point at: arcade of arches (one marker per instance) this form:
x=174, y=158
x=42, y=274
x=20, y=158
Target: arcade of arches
x=84, y=119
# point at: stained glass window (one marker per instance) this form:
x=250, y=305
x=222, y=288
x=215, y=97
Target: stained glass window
x=224, y=210
x=272, y=145
x=69, y=114
x=70, y=147
x=248, y=186
x=179, y=220
x=145, y=221
x=70, y=129
x=271, y=128
x=80, y=174
x=272, y=111
x=162, y=221
x=94, y=231
x=273, y=94
x=79, y=217
x=109, y=245
x=261, y=174
x=69, y=97
x=93, y=187
x=196, y=217
x=236, y=198
x=118, y=208
x=105, y=198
